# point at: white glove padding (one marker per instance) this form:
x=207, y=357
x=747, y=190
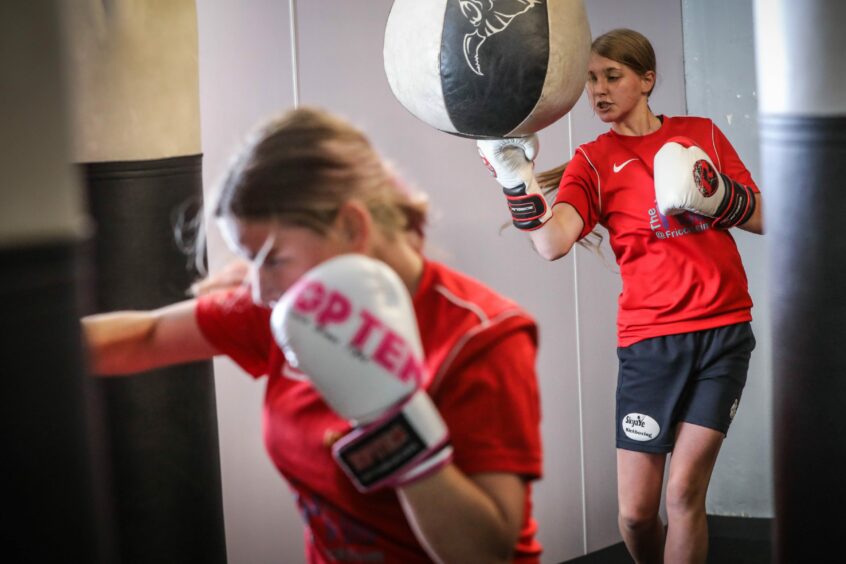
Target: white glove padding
x=511, y=162
x=349, y=325
x=687, y=180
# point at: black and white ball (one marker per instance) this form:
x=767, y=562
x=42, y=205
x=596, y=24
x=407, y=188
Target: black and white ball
x=487, y=68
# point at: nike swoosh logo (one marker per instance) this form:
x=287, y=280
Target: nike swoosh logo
x=618, y=168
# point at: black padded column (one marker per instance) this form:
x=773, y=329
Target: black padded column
x=802, y=81
x=55, y=512
x=163, y=424
x=52, y=491
x=805, y=161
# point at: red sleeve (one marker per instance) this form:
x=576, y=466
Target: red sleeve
x=238, y=328
x=491, y=406
x=730, y=162
x=579, y=188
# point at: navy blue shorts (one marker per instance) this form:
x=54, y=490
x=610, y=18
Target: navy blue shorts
x=694, y=377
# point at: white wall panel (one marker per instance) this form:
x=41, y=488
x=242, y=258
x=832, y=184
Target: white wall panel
x=245, y=76
x=721, y=85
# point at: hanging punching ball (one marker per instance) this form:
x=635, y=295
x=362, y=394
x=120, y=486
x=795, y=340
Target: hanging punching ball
x=801, y=81
x=487, y=68
x=138, y=143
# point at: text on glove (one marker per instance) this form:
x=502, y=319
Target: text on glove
x=333, y=316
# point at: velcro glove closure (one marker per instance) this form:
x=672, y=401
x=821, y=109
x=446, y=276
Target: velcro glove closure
x=404, y=445
x=737, y=206
x=511, y=162
x=529, y=211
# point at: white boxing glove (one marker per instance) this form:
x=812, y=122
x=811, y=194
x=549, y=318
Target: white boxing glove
x=687, y=180
x=511, y=162
x=349, y=325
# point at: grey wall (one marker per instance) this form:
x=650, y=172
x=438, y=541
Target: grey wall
x=720, y=75
x=246, y=73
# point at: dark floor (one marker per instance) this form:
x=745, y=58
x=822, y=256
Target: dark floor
x=733, y=540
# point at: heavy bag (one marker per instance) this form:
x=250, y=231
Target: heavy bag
x=487, y=68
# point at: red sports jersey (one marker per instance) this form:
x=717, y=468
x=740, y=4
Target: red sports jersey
x=679, y=274
x=480, y=357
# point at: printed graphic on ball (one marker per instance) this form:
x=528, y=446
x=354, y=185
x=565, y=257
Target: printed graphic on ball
x=493, y=64
x=640, y=427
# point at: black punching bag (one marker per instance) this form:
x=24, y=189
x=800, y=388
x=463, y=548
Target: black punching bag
x=137, y=122
x=802, y=100
x=52, y=498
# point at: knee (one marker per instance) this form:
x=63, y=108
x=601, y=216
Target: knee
x=638, y=518
x=684, y=496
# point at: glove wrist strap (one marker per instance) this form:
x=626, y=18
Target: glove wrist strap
x=529, y=210
x=396, y=449
x=737, y=206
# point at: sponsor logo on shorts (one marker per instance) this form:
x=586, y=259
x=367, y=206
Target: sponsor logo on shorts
x=640, y=427
x=733, y=410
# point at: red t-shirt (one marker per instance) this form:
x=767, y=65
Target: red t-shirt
x=679, y=274
x=480, y=356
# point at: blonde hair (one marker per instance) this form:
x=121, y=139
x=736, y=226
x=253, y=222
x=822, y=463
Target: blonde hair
x=300, y=167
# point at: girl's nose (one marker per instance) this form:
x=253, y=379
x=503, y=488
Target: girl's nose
x=600, y=85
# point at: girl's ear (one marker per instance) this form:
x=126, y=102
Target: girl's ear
x=648, y=80
x=354, y=226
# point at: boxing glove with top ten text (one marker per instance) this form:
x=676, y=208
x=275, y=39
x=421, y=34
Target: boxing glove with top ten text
x=348, y=324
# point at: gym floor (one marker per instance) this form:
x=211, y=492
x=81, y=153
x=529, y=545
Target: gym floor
x=733, y=540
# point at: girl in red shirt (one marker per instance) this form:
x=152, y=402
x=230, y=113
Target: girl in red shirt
x=667, y=189
x=308, y=187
